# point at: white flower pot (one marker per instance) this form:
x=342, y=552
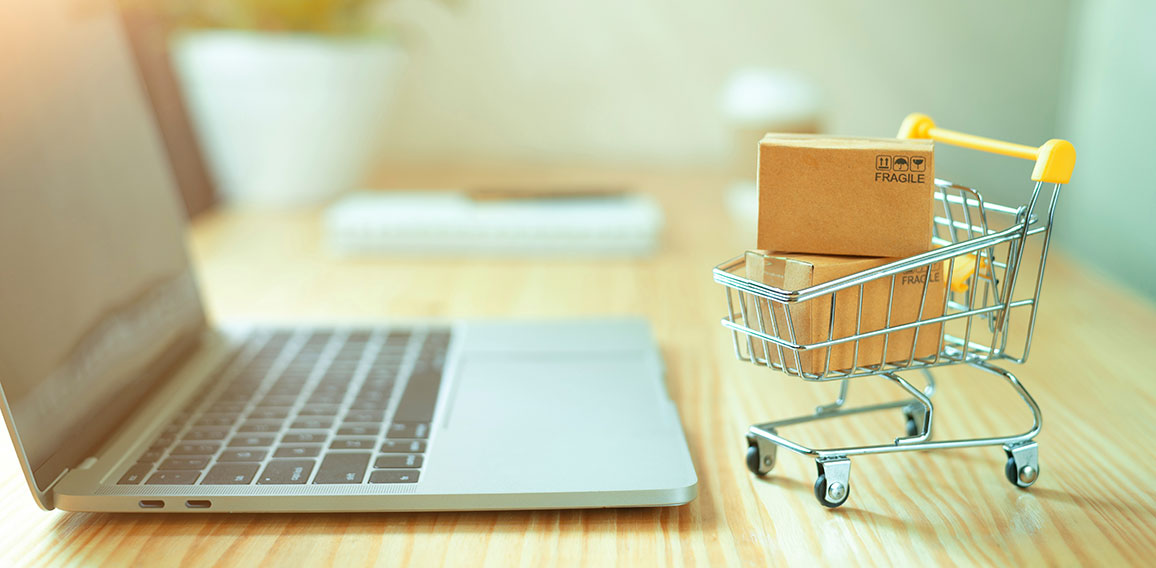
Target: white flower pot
x=286, y=119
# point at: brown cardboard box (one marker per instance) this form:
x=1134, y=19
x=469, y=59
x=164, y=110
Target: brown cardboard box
x=811, y=318
x=845, y=196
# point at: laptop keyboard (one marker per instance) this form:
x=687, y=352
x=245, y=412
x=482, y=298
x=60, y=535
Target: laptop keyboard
x=307, y=407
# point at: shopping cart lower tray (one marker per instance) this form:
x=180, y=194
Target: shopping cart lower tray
x=980, y=293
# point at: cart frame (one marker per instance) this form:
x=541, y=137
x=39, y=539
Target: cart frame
x=983, y=249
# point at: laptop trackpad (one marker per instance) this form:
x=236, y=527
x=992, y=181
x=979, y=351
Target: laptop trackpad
x=538, y=396
x=558, y=422
x=589, y=422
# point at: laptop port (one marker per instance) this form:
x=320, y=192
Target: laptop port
x=198, y=504
x=152, y=504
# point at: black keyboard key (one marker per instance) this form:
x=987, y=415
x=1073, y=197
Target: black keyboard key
x=358, y=430
x=226, y=408
x=403, y=446
x=195, y=449
x=162, y=443
x=135, y=474
x=240, y=386
x=277, y=401
x=398, y=337
x=394, y=476
x=218, y=420
x=318, y=411
x=231, y=474
x=312, y=423
x=286, y=472
x=241, y=456
x=343, y=467
x=269, y=414
x=204, y=434
x=235, y=397
x=421, y=394
x=297, y=452
x=253, y=427
x=304, y=437
x=379, y=379
x=418, y=430
x=279, y=338
x=326, y=398
x=150, y=456
x=371, y=416
x=254, y=441
x=374, y=393
x=399, y=461
x=173, y=478
x=184, y=463
x=347, y=360
x=353, y=444
x=379, y=405
x=285, y=390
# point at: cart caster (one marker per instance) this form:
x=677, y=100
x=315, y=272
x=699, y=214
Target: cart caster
x=914, y=416
x=833, y=486
x=1023, y=464
x=760, y=456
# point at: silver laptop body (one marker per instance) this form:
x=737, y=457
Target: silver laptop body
x=120, y=397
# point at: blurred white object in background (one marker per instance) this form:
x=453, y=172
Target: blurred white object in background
x=755, y=102
x=768, y=97
x=451, y=223
x=287, y=119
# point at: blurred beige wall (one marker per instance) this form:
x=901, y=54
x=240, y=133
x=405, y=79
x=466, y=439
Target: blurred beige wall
x=1106, y=216
x=638, y=83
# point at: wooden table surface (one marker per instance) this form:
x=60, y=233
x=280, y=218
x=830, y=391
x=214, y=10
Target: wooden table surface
x=1091, y=371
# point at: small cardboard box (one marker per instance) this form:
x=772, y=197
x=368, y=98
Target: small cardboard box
x=811, y=319
x=845, y=196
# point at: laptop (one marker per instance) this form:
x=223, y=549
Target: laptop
x=119, y=396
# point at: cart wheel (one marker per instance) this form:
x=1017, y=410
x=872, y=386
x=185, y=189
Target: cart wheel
x=1011, y=472
x=912, y=427
x=1022, y=468
x=824, y=497
x=753, y=460
x=913, y=420
x=759, y=463
x=833, y=486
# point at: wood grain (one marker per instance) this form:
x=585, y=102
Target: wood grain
x=1091, y=371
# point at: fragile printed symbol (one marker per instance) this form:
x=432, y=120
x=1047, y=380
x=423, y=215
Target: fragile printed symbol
x=882, y=162
x=899, y=164
x=918, y=163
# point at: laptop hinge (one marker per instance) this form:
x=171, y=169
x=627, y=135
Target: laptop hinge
x=48, y=494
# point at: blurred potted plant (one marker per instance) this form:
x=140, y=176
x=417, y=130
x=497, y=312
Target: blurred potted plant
x=289, y=97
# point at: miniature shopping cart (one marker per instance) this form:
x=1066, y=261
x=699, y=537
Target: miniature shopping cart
x=992, y=258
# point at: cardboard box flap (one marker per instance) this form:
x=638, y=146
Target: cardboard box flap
x=847, y=143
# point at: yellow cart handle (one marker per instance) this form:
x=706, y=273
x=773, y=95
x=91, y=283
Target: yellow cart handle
x=1055, y=160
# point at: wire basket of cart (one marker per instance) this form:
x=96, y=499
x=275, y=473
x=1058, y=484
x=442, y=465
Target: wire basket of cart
x=972, y=300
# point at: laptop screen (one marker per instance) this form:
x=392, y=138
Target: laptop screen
x=96, y=295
